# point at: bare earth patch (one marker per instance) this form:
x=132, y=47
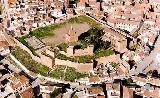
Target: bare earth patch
x=59, y=34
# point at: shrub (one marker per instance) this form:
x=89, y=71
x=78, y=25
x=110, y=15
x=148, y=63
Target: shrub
x=79, y=59
x=63, y=46
x=55, y=93
x=103, y=53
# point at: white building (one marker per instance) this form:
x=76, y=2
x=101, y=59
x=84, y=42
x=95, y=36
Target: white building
x=126, y=25
x=57, y=13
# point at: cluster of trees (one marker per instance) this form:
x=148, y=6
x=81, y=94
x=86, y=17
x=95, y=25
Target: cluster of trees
x=94, y=37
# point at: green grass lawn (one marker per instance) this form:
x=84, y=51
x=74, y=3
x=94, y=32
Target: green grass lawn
x=47, y=30
x=28, y=62
x=84, y=19
x=58, y=72
x=69, y=75
x=79, y=59
x=63, y=46
x=87, y=58
x=22, y=56
x=103, y=53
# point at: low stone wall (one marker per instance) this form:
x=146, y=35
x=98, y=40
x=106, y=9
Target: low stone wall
x=81, y=67
x=78, y=52
x=42, y=59
x=45, y=60
x=86, y=51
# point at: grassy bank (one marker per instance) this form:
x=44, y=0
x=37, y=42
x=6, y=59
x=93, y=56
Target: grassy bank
x=66, y=73
x=46, y=31
x=28, y=62
x=70, y=75
x=86, y=58
x=79, y=59
x=103, y=53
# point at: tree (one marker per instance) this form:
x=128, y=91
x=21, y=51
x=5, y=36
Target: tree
x=75, y=96
x=155, y=73
x=55, y=93
x=129, y=81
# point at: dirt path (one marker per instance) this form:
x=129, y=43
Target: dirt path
x=60, y=33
